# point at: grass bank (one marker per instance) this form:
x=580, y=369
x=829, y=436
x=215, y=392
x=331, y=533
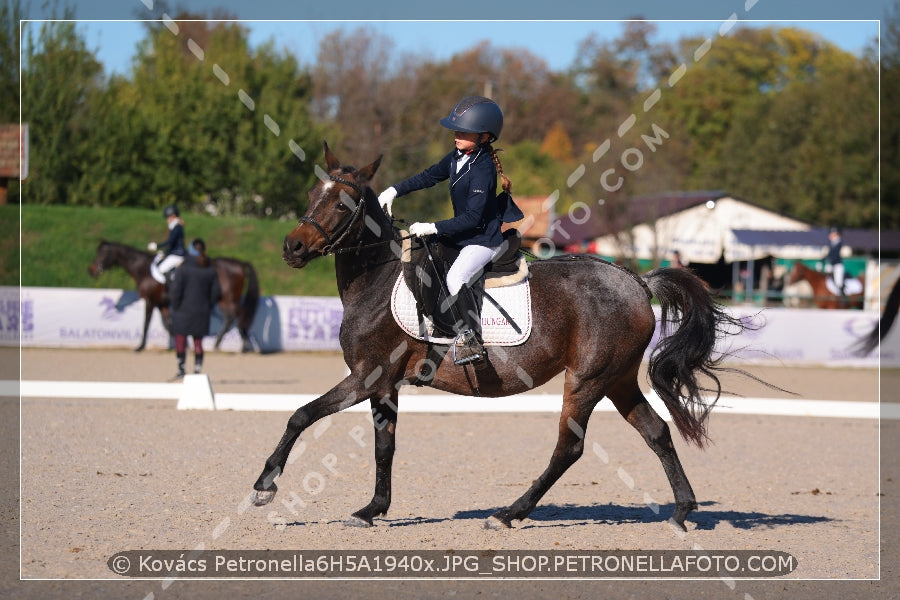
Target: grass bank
x=59, y=242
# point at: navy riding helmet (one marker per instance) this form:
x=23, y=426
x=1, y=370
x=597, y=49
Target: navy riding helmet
x=170, y=210
x=476, y=114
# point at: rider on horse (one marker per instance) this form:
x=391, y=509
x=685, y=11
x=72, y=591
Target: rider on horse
x=173, y=248
x=834, y=262
x=472, y=169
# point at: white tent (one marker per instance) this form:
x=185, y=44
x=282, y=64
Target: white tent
x=703, y=233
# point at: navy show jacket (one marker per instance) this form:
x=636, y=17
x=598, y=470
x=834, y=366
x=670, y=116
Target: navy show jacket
x=473, y=191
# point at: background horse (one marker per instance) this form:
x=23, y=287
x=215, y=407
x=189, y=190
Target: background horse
x=234, y=275
x=822, y=296
x=592, y=319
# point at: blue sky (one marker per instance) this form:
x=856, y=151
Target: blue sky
x=554, y=41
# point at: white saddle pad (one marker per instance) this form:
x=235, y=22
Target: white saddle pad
x=495, y=329
x=852, y=287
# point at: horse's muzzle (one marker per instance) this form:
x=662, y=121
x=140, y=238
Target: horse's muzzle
x=295, y=253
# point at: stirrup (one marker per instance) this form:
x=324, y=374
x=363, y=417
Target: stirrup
x=467, y=349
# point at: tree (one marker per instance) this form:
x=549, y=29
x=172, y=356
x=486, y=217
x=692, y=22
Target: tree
x=234, y=138
x=809, y=148
x=10, y=15
x=59, y=73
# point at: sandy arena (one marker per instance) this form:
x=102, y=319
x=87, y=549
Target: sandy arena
x=100, y=477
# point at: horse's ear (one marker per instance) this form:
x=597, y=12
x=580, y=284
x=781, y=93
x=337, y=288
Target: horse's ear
x=368, y=172
x=331, y=161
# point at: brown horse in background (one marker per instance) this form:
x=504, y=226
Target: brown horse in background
x=822, y=296
x=234, y=276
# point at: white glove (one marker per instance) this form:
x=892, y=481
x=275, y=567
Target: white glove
x=151, y=246
x=386, y=199
x=422, y=229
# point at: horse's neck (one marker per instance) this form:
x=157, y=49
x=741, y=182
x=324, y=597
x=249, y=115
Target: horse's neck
x=135, y=263
x=366, y=271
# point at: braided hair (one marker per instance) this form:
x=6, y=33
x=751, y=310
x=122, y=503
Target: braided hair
x=505, y=181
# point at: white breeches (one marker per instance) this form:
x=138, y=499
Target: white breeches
x=837, y=273
x=468, y=266
x=159, y=268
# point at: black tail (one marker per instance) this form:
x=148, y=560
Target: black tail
x=878, y=333
x=250, y=300
x=686, y=353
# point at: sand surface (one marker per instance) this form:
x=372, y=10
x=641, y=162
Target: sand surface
x=99, y=477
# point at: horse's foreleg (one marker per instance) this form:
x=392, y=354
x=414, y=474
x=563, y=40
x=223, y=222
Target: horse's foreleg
x=637, y=411
x=338, y=398
x=384, y=416
x=569, y=448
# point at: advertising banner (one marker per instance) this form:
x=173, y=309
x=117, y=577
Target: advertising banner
x=84, y=318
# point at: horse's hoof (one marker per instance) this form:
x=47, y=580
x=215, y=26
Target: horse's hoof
x=682, y=510
x=263, y=497
x=356, y=521
x=496, y=523
x=677, y=525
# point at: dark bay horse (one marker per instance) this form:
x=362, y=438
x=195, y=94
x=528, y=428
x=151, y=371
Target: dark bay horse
x=234, y=276
x=822, y=296
x=592, y=319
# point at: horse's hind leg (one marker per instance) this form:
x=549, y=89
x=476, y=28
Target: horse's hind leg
x=631, y=404
x=384, y=416
x=228, y=321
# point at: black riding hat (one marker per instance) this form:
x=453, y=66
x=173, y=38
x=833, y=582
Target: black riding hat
x=170, y=210
x=476, y=114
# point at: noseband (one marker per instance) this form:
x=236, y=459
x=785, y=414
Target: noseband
x=332, y=240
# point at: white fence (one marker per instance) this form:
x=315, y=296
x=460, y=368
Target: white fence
x=80, y=318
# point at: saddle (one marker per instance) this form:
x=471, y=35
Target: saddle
x=424, y=278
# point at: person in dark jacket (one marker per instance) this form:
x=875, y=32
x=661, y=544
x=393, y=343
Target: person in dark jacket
x=172, y=251
x=472, y=169
x=195, y=291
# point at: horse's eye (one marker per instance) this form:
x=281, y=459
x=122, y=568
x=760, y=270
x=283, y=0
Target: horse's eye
x=341, y=206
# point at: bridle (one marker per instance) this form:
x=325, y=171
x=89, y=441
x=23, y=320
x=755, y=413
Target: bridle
x=332, y=240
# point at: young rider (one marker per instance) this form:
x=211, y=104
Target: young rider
x=173, y=248
x=834, y=261
x=471, y=169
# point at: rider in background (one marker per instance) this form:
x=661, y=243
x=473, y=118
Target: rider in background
x=173, y=251
x=195, y=291
x=472, y=169
x=834, y=264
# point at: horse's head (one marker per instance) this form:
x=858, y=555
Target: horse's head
x=335, y=215
x=102, y=260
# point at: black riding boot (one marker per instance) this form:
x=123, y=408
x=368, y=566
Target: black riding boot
x=181, y=357
x=468, y=347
